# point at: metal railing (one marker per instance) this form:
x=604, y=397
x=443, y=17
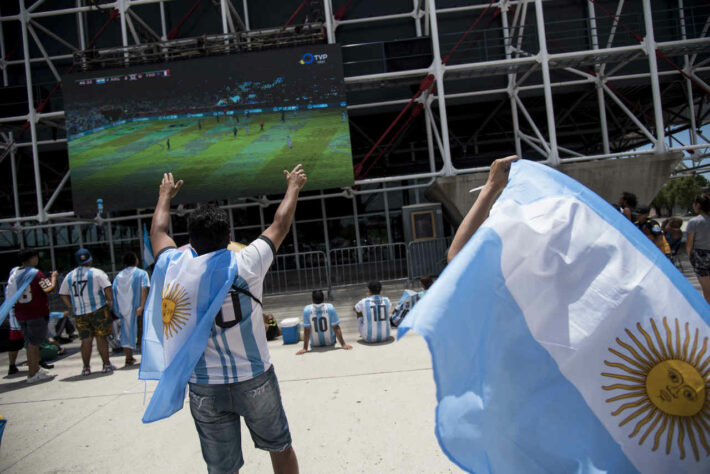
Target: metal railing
x=304, y=271
x=356, y=265
x=427, y=257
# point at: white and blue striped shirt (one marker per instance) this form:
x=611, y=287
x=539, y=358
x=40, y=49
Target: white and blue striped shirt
x=237, y=349
x=374, y=324
x=85, y=286
x=321, y=318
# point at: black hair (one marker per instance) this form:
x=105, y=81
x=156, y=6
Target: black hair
x=704, y=201
x=374, y=286
x=130, y=259
x=630, y=199
x=25, y=254
x=317, y=296
x=426, y=281
x=208, y=228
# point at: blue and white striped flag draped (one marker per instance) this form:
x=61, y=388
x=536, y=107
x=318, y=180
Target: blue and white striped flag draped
x=186, y=294
x=148, y=257
x=20, y=279
x=563, y=341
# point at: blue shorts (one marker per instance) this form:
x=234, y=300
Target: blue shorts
x=217, y=410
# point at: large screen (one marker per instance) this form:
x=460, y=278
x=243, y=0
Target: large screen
x=227, y=125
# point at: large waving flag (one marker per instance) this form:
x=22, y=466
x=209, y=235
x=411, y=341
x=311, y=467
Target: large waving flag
x=563, y=341
x=186, y=293
x=148, y=257
x=20, y=279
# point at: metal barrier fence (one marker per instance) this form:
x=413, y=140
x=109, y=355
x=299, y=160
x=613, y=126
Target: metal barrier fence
x=304, y=271
x=356, y=265
x=427, y=257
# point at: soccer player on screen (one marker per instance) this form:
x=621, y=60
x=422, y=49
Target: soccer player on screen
x=290, y=143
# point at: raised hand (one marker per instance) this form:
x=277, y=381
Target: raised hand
x=169, y=187
x=498, y=175
x=296, y=178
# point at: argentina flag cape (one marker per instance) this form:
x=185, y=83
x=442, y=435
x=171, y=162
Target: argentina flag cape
x=186, y=293
x=563, y=340
x=20, y=279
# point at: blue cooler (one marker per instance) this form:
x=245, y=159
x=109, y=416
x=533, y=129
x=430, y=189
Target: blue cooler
x=290, y=330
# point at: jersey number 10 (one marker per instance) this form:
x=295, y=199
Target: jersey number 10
x=379, y=312
x=320, y=324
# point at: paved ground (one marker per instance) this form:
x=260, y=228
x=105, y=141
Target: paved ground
x=366, y=410
x=370, y=410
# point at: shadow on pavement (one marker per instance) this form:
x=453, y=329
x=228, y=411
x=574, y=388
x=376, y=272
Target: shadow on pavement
x=390, y=340
x=79, y=378
x=21, y=384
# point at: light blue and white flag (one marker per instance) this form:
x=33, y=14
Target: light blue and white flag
x=186, y=293
x=19, y=280
x=563, y=340
x=148, y=257
x=127, y=290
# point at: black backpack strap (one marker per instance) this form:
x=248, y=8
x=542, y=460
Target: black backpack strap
x=248, y=293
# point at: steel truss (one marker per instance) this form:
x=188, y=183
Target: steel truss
x=526, y=69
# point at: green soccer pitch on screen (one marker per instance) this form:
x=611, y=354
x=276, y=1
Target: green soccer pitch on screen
x=226, y=125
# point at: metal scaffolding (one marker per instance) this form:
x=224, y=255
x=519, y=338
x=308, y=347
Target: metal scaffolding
x=525, y=58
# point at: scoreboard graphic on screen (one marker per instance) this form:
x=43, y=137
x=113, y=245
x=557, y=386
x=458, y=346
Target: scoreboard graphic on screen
x=227, y=125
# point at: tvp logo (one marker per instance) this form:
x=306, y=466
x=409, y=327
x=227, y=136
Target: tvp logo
x=309, y=58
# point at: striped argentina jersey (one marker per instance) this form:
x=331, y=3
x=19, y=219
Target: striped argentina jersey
x=374, y=324
x=321, y=318
x=237, y=349
x=85, y=286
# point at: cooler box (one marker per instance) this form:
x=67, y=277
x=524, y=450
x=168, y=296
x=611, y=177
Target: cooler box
x=290, y=330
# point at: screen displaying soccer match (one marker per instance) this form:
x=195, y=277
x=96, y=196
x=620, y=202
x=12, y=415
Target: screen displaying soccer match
x=226, y=125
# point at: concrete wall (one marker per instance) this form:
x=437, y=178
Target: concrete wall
x=642, y=176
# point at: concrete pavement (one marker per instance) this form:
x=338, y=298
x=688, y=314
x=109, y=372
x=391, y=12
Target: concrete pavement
x=368, y=410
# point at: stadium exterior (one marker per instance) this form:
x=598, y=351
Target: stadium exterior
x=436, y=90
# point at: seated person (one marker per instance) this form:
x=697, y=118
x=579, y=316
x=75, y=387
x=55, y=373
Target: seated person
x=321, y=324
x=652, y=230
x=372, y=314
x=271, y=327
x=640, y=215
x=408, y=300
x=672, y=230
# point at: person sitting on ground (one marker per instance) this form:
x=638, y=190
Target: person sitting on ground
x=373, y=314
x=11, y=340
x=130, y=290
x=87, y=292
x=271, y=327
x=627, y=203
x=321, y=324
x=408, y=300
x=652, y=230
x=32, y=311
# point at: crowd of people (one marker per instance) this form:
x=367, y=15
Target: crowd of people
x=668, y=236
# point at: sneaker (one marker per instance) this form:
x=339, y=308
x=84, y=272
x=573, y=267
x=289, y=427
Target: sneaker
x=40, y=376
x=45, y=365
x=12, y=370
x=86, y=371
x=108, y=368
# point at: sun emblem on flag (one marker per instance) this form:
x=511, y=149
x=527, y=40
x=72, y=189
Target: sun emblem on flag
x=667, y=389
x=175, y=308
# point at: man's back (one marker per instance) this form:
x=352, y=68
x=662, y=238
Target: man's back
x=85, y=287
x=321, y=318
x=237, y=349
x=375, y=311
x=127, y=289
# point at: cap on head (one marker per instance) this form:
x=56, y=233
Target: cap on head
x=82, y=256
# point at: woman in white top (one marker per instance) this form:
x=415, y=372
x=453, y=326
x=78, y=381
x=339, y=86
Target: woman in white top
x=698, y=242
